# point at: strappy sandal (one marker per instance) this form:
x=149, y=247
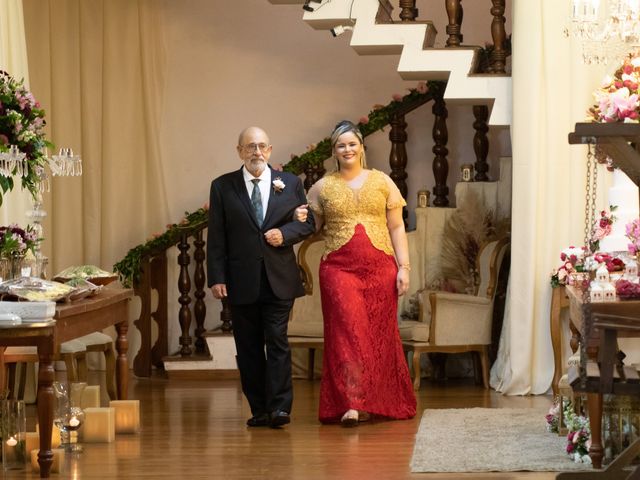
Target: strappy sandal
x=350, y=418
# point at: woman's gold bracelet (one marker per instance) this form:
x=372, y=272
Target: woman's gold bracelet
x=406, y=266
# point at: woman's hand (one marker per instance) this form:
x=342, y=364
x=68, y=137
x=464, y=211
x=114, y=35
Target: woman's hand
x=402, y=281
x=301, y=213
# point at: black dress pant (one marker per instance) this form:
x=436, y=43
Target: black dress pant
x=265, y=373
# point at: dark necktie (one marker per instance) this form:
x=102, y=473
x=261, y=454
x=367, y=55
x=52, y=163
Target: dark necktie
x=256, y=201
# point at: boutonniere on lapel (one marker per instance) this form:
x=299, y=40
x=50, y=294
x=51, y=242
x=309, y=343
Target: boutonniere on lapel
x=278, y=185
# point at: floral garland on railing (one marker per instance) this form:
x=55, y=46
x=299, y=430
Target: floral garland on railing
x=378, y=117
x=129, y=267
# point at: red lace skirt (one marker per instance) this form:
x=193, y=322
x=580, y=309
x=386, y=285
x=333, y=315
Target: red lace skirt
x=364, y=367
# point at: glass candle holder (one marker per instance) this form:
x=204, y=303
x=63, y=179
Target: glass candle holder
x=14, y=428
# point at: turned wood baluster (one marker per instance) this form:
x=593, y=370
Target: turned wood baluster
x=499, y=35
x=312, y=173
x=142, y=288
x=409, y=11
x=398, y=154
x=481, y=142
x=199, y=278
x=225, y=317
x=440, y=162
x=160, y=349
x=184, y=287
x=454, y=28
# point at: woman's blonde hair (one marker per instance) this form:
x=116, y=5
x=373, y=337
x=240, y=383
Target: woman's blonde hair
x=343, y=127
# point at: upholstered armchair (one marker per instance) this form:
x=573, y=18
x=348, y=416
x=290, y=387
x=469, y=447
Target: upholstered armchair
x=455, y=322
x=306, y=328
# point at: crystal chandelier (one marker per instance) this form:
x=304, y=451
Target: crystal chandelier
x=64, y=164
x=607, y=32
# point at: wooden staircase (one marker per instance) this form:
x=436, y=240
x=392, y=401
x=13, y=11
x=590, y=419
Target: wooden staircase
x=419, y=60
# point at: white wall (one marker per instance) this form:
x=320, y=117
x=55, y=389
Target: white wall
x=248, y=62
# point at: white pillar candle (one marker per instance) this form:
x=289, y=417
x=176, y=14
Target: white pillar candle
x=58, y=460
x=56, y=438
x=99, y=425
x=76, y=393
x=32, y=442
x=90, y=397
x=127, y=415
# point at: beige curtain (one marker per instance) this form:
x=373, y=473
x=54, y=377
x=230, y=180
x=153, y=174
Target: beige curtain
x=551, y=92
x=97, y=68
x=13, y=60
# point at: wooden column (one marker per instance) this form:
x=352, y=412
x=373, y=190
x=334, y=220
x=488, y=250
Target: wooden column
x=499, y=54
x=184, y=287
x=398, y=155
x=153, y=276
x=199, y=278
x=440, y=162
x=408, y=12
x=481, y=142
x=454, y=28
x=160, y=349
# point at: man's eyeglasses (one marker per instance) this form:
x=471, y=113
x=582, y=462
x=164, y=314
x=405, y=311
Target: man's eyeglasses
x=251, y=147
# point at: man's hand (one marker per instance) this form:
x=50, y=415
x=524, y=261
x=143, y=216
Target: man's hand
x=219, y=290
x=301, y=213
x=274, y=237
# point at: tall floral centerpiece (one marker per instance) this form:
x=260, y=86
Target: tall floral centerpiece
x=617, y=97
x=21, y=127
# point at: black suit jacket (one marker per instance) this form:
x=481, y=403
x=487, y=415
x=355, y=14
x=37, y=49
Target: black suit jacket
x=236, y=248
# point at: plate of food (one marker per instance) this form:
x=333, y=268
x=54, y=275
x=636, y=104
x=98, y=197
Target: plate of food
x=90, y=273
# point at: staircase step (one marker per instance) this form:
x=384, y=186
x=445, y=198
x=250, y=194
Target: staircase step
x=220, y=363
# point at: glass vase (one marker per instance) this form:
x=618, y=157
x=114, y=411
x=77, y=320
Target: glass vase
x=11, y=267
x=14, y=426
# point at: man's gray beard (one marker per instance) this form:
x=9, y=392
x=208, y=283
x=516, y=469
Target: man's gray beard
x=257, y=167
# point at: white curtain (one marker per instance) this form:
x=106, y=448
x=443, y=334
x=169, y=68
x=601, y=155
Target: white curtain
x=551, y=92
x=13, y=60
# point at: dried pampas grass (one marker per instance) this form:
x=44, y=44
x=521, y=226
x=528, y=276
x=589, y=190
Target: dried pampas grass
x=468, y=228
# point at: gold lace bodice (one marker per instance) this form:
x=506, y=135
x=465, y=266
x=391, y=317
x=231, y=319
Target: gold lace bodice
x=343, y=207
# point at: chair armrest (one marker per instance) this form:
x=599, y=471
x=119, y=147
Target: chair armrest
x=460, y=319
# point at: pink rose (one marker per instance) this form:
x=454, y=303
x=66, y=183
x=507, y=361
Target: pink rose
x=363, y=120
x=205, y=206
x=396, y=97
x=628, y=69
x=422, y=87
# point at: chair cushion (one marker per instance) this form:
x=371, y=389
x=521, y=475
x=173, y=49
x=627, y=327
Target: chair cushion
x=21, y=351
x=72, y=346
x=306, y=329
x=414, y=330
x=95, y=338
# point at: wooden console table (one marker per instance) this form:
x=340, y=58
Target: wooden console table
x=71, y=320
x=571, y=297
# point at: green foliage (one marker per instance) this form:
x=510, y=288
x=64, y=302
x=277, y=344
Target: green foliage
x=378, y=118
x=129, y=268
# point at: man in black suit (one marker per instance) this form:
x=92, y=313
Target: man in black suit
x=251, y=262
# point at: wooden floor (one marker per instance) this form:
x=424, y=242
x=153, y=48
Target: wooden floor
x=196, y=429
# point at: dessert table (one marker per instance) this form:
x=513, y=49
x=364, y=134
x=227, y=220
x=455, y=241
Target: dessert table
x=71, y=320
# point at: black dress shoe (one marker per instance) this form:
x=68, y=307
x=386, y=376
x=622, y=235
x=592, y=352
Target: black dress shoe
x=261, y=420
x=279, y=418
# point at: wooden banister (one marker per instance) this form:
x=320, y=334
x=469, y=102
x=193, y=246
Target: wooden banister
x=454, y=28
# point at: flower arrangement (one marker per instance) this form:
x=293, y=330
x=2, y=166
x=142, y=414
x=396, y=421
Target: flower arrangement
x=603, y=227
x=15, y=241
x=617, y=97
x=21, y=124
x=573, y=261
x=579, y=436
x=632, y=232
x=378, y=118
x=553, y=418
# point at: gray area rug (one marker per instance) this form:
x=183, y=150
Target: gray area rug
x=489, y=440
